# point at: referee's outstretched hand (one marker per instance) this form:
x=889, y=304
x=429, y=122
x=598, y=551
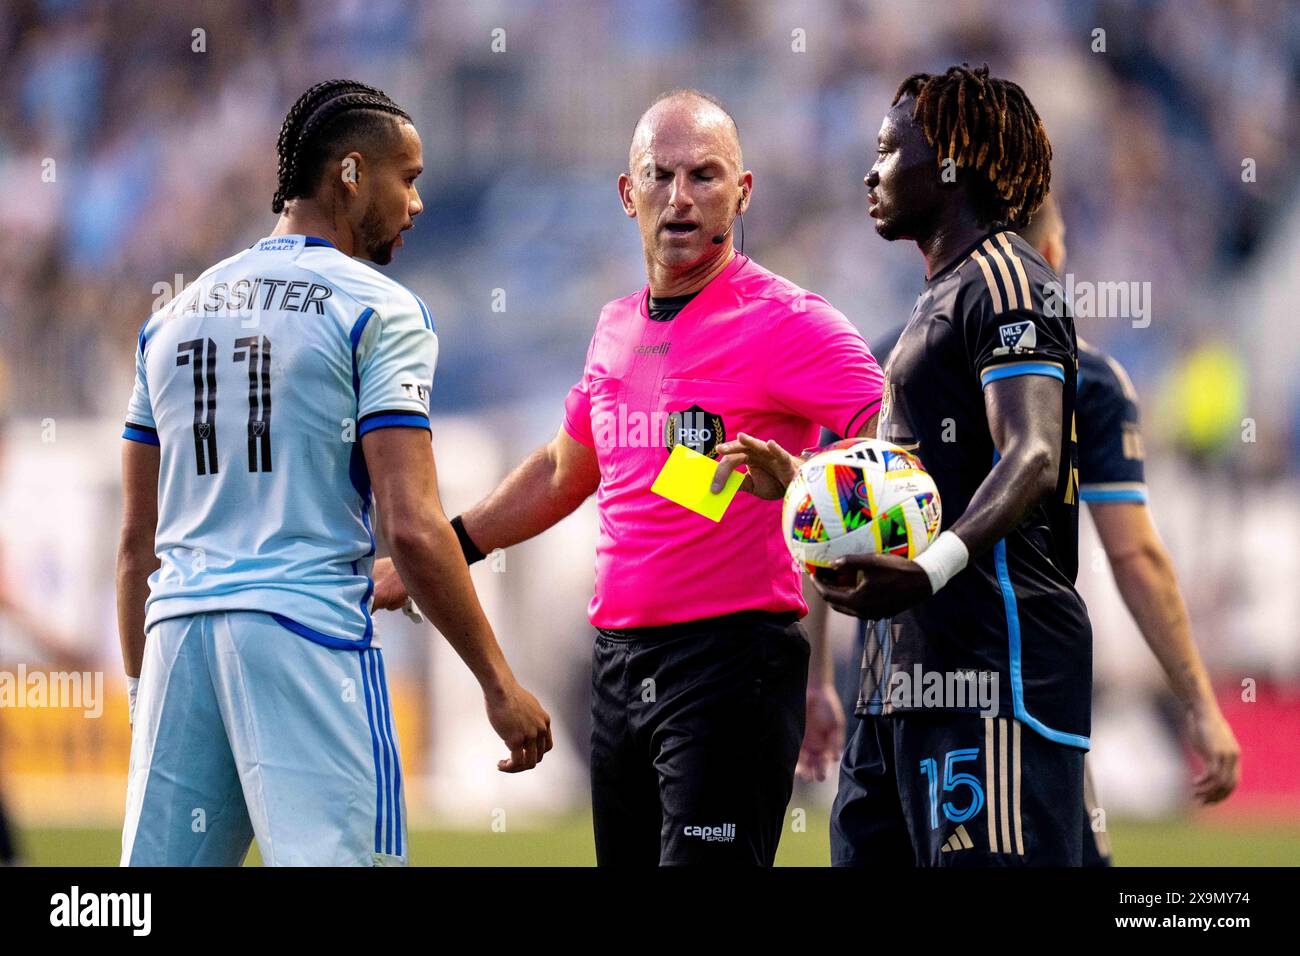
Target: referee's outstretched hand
x=873, y=586
x=771, y=467
x=390, y=592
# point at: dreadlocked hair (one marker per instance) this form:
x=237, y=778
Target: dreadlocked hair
x=325, y=117
x=989, y=127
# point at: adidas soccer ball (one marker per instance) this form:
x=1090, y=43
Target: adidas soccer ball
x=859, y=496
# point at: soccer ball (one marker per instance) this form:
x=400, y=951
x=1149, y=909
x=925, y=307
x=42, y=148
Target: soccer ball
x=859, y=496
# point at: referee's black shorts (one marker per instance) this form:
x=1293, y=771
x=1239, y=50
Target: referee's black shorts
x=696, y=729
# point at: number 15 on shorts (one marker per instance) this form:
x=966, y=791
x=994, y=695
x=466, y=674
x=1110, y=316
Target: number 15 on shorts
x=952, y=782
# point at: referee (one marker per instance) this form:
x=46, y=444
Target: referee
x=700, y=667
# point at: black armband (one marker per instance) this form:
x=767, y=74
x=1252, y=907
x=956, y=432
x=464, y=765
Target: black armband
x=467, y=546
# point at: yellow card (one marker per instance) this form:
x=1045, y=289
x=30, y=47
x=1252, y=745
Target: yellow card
x=685, y=479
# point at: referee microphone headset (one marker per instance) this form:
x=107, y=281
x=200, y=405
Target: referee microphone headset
x=722, y=237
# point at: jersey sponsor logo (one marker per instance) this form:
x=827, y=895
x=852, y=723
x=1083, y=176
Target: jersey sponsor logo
x=1017, y=337
x=659, y=349
x=720, y=834
x=697, y=429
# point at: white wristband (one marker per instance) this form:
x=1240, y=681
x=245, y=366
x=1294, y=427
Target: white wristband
x=943, y=560
x=132, y=688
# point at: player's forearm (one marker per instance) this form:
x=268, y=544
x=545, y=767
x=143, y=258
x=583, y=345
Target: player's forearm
x=533, y=497
x=1146, y=581
x=821, y=667
x=427, y=556
x=134, y=565
x=1017, y=482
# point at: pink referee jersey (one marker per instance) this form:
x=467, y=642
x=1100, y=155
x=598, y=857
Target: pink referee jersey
x=751, y=352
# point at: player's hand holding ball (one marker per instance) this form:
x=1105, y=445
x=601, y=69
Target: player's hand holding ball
x=873, y=586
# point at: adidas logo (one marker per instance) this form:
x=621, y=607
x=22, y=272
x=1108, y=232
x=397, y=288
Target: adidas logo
x=960, y=840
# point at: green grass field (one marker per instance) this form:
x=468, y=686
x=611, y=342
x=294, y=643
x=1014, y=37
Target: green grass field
x=568, y=843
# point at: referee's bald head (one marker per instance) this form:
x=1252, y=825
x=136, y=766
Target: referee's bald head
x=700, y=114
x=685, y=185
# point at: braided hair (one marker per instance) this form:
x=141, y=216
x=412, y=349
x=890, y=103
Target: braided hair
x=988, y=126
x=328, y=116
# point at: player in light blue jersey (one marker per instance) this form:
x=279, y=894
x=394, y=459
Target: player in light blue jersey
x=275, y=398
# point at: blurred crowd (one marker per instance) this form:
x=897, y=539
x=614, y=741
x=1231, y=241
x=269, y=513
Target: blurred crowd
x=137, y=148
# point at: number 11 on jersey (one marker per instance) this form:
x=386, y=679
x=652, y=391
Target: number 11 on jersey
x=201, y=356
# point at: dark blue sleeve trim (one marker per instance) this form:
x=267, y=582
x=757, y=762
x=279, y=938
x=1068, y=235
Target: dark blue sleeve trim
x=140, y=433
x=392, y=420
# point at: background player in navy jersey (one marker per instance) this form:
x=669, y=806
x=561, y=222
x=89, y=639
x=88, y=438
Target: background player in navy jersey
x=981, y=386
x=1112, y=482
x=275, y=398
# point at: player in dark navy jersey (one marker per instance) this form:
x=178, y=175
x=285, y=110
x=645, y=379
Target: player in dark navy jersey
x=981, y=386
x=1112, y=483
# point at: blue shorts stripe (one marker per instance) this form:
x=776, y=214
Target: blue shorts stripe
x=374, y=745
x=381, y=718
x=397, y=757
x=1020, y=711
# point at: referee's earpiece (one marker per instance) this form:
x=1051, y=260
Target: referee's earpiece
x=740, y=205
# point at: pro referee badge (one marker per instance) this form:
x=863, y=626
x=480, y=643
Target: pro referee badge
x=695, y=428
x=685, y=479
